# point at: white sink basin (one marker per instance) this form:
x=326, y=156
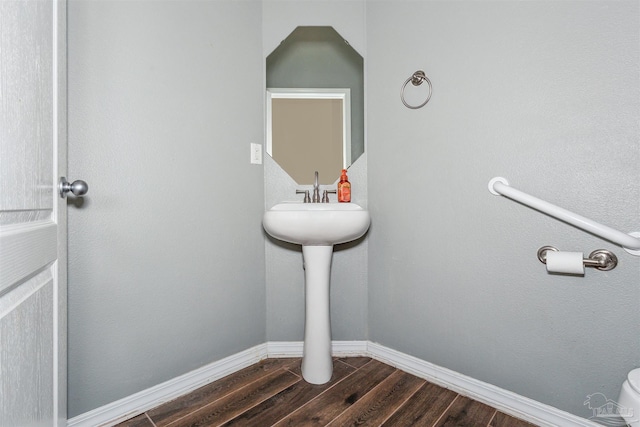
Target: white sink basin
x=316, y=224
x=317, y=227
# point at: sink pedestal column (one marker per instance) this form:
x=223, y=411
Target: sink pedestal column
x=317, y=365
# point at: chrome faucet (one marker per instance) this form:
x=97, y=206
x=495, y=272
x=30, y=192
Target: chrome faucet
x=316, y=190
x=307, y=199
x=325, y=195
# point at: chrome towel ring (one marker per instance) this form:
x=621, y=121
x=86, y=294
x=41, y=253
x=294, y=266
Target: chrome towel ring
x=416, y=79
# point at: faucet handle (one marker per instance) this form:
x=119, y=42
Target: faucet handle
x=325, y=195
x=307, y=199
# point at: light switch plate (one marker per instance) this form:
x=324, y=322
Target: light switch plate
x=256, y=154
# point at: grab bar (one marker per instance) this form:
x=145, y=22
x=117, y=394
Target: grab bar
x=630, y=242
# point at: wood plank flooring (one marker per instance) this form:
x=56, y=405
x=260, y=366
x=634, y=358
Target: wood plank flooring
x=362, y=392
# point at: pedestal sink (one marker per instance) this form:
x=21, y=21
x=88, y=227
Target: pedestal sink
x=317, y=227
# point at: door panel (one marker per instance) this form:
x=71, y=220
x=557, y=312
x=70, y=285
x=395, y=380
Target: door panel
x=25, y=249
x=32, y=215
x=27, y=104
x=26, y=359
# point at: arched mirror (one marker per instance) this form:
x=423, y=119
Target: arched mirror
x=315, y=104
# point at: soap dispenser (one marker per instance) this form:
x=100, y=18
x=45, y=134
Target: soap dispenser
x=344, y=188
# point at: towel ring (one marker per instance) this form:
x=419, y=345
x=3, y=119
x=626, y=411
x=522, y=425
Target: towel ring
x=416, y=79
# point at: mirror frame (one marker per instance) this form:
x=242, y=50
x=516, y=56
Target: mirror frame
x=343, y=94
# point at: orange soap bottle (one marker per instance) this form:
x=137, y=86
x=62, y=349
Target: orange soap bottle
x=344, y=188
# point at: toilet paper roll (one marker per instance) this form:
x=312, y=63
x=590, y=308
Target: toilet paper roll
x=565, y=262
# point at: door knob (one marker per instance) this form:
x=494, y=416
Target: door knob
x=78, y=188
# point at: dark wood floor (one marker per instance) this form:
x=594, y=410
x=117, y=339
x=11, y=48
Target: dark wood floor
x=362, y=392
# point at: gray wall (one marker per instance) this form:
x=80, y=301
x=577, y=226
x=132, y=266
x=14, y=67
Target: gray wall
x=547, y=95
x=163, y=279
x=166, y=255
x=284, y=273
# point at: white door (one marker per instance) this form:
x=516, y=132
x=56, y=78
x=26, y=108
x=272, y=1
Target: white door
x=32, y=214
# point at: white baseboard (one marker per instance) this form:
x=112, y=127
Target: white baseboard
x=338, y=348
x=284, y=348
x=128, y=407
x=501, y=399
x=350, y=348
x=504, y=400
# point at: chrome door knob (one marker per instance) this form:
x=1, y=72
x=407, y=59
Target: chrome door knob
x=78, y=188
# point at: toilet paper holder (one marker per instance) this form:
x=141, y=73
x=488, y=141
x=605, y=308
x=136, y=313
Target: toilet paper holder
x=600, y=259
